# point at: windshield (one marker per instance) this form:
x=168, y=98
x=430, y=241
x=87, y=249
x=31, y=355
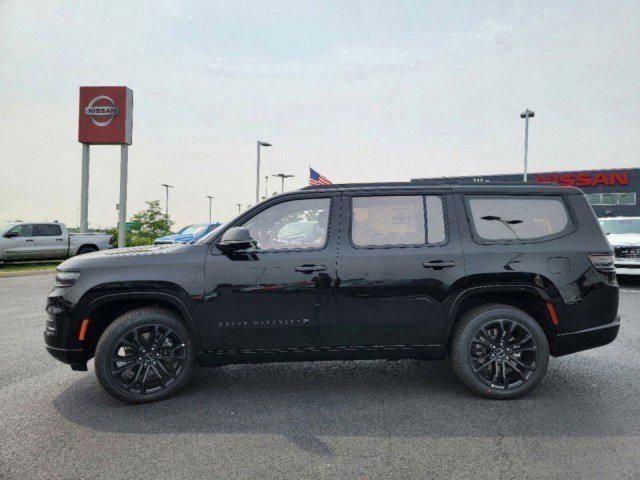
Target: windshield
x=5, y=226
x=193, y=229
x=626, y=225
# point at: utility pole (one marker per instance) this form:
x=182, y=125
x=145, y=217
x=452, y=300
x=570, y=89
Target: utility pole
x=210, y=197
x=259, y=144
x=166, y=205
x=527, y=114
x=282, y=177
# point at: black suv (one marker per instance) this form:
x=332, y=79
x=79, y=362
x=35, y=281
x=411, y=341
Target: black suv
x=498, y=277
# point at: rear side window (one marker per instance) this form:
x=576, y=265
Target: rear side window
x=511, y=217
x=48, y=231
x=436, y=230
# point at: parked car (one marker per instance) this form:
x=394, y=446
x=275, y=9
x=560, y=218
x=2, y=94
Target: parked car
x=498, y=277
x=47, y=241
x=188, y=234
x=623, y=234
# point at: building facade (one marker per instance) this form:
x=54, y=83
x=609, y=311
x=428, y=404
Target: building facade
x=611, y=192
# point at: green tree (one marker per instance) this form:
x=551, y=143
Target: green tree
x=148, y=225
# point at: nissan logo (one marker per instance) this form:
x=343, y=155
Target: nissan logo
x=101, y=110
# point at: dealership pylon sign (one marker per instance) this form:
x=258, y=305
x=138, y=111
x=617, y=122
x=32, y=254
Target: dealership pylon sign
x=105, y=117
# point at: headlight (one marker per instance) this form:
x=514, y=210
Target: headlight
x=66, y=279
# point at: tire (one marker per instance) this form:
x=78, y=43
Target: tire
x=498, y=371
x=86, y=249
x=152, y=375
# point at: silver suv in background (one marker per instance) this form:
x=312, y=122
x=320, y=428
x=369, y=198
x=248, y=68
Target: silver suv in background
x=623, y=234
x=47, y=241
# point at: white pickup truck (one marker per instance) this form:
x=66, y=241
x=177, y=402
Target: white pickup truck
x=42, y=241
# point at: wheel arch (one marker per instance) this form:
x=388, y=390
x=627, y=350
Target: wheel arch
x=90, y=245
x=529, y=298
x=104, y=309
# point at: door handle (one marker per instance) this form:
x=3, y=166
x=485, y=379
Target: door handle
x=311, y=268
x=439, y=264
x=29, y=240
x=59, y=239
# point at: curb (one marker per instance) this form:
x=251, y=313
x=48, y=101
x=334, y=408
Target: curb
x=26, y=273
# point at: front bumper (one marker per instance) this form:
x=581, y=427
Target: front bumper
x=76, y=357
x=586, y=339
x=60, y=331
x=627, y=266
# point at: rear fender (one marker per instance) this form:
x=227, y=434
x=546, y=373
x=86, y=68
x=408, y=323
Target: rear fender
x=492, y=289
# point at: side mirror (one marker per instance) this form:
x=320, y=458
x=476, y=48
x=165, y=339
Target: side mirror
x=235, y=239
x=10, y=234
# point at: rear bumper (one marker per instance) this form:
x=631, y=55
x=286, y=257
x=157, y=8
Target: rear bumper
x=585, y=339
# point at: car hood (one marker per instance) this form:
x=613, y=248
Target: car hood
x=624, y=239
x=124, y=256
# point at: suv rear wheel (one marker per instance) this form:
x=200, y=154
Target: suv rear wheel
x=145, y=355
x=499, y=351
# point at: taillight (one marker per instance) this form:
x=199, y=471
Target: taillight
x=602, y=261
x=112, y=240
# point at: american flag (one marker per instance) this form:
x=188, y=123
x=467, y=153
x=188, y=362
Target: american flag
x=316, y=179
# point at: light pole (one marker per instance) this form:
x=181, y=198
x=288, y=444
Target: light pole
x=210, y=197
x=259, y=144
x=239, y=207
x=266, y=186
x=282, y=177
x=166, y=195
x=527, y=114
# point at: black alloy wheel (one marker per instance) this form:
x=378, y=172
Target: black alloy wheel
x=146, y=354
x=503, y=354
x=499, y=351
x=148, y=358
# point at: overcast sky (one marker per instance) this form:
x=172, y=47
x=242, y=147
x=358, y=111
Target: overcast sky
x=361, y=91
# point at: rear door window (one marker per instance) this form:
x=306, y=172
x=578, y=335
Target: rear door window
x=387, y=221
x=518, y=218
x=48, y=230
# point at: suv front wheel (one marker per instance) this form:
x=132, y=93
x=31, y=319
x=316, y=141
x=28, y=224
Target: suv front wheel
x=146, y=354
x=499, y=351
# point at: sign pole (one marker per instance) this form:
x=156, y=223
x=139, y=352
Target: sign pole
x=258, y=173
x=122, y=224
x=84, y=190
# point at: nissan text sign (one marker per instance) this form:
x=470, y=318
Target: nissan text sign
x=585, y=179
x=106, y=115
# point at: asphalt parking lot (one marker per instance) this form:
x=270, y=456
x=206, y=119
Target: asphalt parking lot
x=377, y=419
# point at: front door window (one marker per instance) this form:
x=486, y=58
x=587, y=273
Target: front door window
x=293, y=225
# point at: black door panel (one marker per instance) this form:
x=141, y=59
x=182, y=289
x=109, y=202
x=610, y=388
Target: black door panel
x=403, y=293
x=274, y=299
